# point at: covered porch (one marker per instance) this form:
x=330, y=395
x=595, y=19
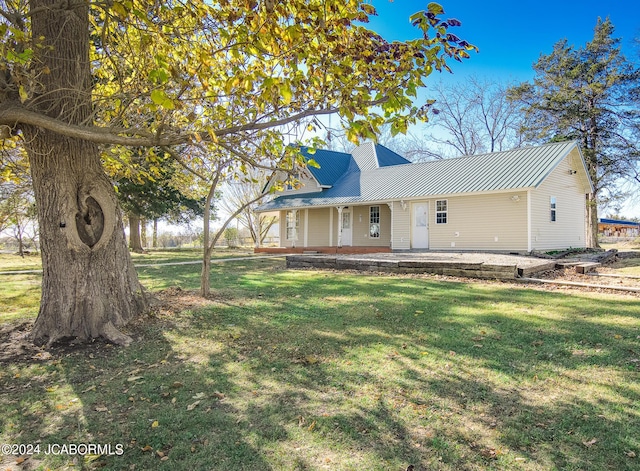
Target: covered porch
x=335, y=229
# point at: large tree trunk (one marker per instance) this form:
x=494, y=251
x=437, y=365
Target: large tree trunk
x=89, y=288
x=592, y=221
x=134, y=233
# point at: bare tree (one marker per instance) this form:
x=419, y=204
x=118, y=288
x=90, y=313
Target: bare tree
x=473, y=118
x=238, y=194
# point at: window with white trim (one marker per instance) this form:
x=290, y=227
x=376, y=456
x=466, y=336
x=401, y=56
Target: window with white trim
x=293, y=223
x=374, y=222
x=553, y=207
x=293, y=182
x=441, y=211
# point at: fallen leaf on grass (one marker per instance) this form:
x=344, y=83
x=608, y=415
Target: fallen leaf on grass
x=312, y=426
x=155, y=424
x=630, y=454
x=134, y=378
x=91, y=458
x=147, y=448
x=590, y=443
x=101, y=409
x=193, y=405
x=200, y=395
x=310, y=360
x=492, y=453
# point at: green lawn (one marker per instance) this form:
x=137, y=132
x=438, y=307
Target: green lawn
x=311, y=370
x=12, y=262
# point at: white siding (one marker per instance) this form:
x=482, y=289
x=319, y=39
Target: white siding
x=481, y=222
x=307, y=183
x=401, y=226
x=569, y=189
x=361, y=226
x=318, y=227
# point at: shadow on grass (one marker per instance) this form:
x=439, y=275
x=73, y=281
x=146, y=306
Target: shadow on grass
x=309, y=370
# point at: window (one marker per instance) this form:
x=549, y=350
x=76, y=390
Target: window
x=441, y=211
x=552, y=207
x=293, y=222
x=346, y=220
x=293, y=182
x=374, y=222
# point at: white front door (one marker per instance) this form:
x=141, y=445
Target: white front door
x=420, y=226
x=346, y=227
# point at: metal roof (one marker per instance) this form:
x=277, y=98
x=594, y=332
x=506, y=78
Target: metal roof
x=521, y=168
x=387, y=157
x=618, y=222
x=332, y=165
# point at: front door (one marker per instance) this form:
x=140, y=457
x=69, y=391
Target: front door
x=346, y=227
x=420, y=226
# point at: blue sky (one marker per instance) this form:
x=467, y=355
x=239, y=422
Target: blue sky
x=511, y=35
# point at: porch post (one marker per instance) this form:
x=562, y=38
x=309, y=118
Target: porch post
x=391, y=236
x=340, y=208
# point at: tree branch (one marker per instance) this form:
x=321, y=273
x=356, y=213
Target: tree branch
x=12, y=115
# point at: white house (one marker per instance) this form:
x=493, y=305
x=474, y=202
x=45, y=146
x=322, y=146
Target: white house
x=532, y=198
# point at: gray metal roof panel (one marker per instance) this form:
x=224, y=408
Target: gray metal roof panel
x=520, y=168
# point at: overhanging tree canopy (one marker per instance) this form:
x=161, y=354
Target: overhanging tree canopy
x=218, y=75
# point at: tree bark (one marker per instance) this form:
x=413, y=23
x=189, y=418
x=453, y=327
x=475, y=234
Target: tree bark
x=143, y=233
x=90, y=288
x=134, y=233
x=592, y=221
x=205, y=275
x=154, y=237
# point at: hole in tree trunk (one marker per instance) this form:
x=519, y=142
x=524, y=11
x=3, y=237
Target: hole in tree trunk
x=90, y=222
